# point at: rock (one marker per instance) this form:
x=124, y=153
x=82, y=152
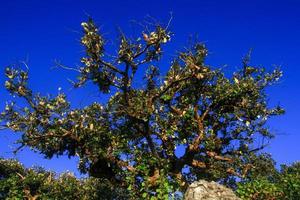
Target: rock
x=204, y=190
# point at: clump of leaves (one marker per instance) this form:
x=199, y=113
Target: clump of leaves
x=17, y=182
x=281, y=185
x=131, y=140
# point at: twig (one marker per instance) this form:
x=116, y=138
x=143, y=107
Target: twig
x=58, y=64
x=170, y=20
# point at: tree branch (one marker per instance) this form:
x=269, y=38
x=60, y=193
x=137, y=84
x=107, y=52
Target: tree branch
x=112, y=67
x=169, y=86
x=218, y=157
x=149, y=139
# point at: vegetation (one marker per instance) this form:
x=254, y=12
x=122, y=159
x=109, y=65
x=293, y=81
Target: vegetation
x=283, y=184
x=16, y=182
x=132, y=140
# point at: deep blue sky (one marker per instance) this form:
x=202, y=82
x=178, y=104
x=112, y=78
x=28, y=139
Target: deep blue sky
x=41, y=31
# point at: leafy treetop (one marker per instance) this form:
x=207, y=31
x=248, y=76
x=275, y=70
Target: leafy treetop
x=131, y=140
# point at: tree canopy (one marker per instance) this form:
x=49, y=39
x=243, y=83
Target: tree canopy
x=17, y=182
x=273, y=184
x=132, y=140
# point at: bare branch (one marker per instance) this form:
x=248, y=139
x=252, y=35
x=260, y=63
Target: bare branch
x=3, y=127
x=59, y=65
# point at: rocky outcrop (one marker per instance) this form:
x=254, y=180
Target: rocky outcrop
x=204, y=190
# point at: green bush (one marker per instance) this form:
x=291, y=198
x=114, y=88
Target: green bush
x=16, y=182
x=282, y=185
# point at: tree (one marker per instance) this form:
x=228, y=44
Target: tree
x=131, y=139
x=17, y=182
x=282, y=185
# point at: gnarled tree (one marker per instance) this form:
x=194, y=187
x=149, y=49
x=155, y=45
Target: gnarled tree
x=131, y=139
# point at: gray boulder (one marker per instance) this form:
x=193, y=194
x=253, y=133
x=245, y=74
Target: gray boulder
x=204, y=190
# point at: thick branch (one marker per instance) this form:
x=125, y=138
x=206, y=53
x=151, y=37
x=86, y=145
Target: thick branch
x=172, y=84
x=126, y=83
x=198, y=164
x=218, y=157
x=120, y=163
x=149, y=139
x=112, y=67
x=142, y=51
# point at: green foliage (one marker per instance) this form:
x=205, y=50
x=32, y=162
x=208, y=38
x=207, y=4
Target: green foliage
x=283, y=185
x=260, y=189
x=131, y=139
x=16, y=182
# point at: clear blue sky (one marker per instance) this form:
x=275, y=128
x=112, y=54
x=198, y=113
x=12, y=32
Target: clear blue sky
x=42, y=31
